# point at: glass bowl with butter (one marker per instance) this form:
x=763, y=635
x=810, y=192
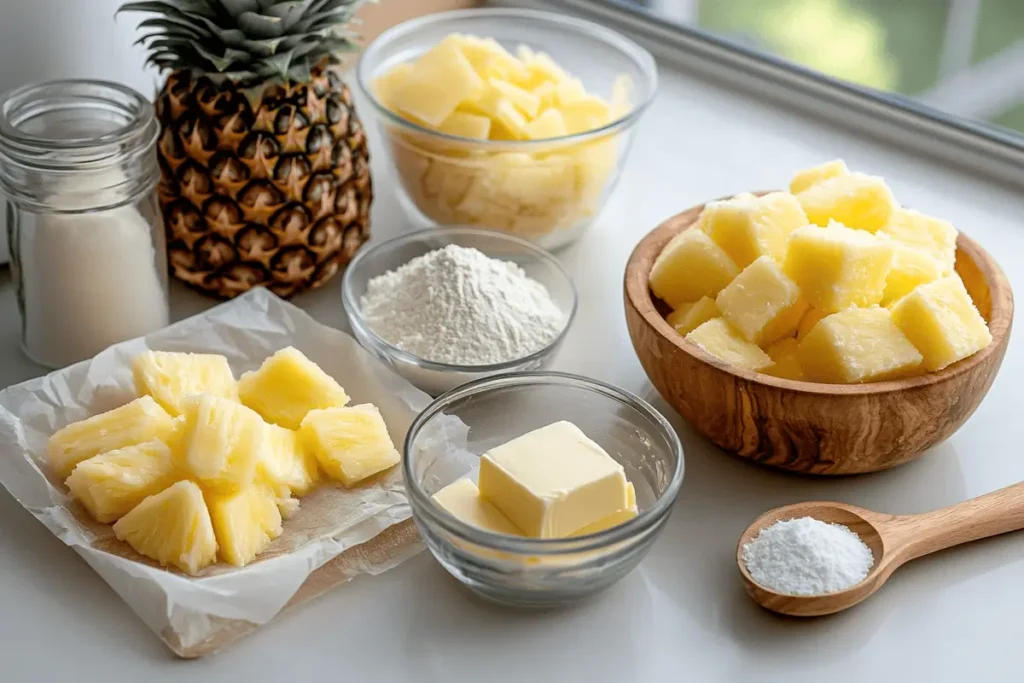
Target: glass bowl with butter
x=540, y=488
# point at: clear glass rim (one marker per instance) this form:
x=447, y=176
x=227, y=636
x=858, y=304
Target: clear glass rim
x=356, y=319
x=139, y=130
x=645, y=521
x=613, y=40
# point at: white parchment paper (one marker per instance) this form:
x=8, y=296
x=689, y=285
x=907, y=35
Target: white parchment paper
x=329, y=521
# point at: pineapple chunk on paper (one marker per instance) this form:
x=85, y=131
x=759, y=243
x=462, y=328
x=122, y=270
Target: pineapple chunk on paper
x=139, y=421
x=223, y=442
x=245, y=523
x=109, y=485
x=172, y=527
x=351, y=444
x=285, y=465
x=287, y=386
x=169, y=377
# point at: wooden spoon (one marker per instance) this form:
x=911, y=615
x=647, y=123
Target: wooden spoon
x=893, y=540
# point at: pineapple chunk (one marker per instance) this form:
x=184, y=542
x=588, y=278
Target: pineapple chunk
x=287, y=386
x=285, y=465
x=139, y=421
x=245, y=523
x=386, y=86
x=940, y=319
x=621, y=103
x=169, y=377
x=750, y=228
x=224, y=442
x=466, y=125
x=490, y=59
x=814, y=175
x=719, y=339
x=616, y=518
x=586, y=113
x=550, y=124
x=931, y=235
x=288, y=507
x=761, y=303
x=350, y=443
x=524, y=100
x=172, y=527
x=910, y=268
x=807, y=323
x=506, y=120
x=689, y=317
x=541, y=67
x=569, y=91
x=109, y=485
x=421, y=94
x=837, y=267
x=856, y=200
x=857, y=345
x=785, y=359
x=691, y=266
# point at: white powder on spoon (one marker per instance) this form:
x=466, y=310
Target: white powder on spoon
x=806, y=556
x=456, y=305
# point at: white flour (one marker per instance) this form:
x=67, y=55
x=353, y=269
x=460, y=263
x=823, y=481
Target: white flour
x=806, y=556
x=455, y=305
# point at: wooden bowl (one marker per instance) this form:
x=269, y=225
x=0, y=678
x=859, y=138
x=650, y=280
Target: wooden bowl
x=806, y=426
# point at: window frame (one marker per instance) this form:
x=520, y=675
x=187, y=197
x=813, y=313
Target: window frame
x=978, y=147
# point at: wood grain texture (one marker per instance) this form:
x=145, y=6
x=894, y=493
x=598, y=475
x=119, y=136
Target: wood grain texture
x=808, y=427
x=894, y=540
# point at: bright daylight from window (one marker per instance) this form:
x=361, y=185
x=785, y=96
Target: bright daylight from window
x=963, y=57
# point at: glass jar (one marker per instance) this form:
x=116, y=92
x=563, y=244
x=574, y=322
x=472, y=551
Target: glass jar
x=78, y=168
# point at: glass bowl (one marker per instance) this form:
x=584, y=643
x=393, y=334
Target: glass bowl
x=445, y=443
x=548, y=191
x=433, y=377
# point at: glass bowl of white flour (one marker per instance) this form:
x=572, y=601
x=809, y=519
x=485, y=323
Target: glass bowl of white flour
x=449, y=305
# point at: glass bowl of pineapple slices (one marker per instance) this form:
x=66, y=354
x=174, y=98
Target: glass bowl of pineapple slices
x=507, y=119
x=443, y=448
x=434, y=377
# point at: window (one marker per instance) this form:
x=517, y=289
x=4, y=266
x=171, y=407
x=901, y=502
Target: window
x=962, y=57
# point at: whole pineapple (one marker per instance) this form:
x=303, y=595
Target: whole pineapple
x=265, y=174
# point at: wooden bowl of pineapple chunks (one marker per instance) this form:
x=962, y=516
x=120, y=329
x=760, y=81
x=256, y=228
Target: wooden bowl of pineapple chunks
x=781, y=419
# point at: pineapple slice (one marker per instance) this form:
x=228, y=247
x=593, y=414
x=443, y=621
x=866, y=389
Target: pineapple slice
x=245, y=523
x=109, y=485
x=287, y=386
x=172, y=527
x=169, y=377
x=224, y=442
x=350, y=443
x=814, y=175
x=285, y=465
x=854, y=199
x=719, y=339
x=139, y=421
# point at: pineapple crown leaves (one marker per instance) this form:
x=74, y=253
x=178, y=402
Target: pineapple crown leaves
x=245, y=39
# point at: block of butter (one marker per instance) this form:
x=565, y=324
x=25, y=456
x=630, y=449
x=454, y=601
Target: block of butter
x=462, y=500
x=553, y=481
x=616, y=518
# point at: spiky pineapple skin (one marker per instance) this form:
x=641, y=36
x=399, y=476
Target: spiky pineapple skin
x=261, y=184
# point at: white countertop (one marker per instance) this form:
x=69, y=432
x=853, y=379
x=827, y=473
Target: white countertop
x=683, y=614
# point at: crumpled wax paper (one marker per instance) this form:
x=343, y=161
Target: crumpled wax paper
x=187, y=612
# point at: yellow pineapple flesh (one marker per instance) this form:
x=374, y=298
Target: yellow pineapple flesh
x=351, y=444
x=287, y=386
x=133, y=423
x=245, y=523
x=172, y=527
x=169, y=377
x=284, y=464
x=109, y=485
x=224, y=442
